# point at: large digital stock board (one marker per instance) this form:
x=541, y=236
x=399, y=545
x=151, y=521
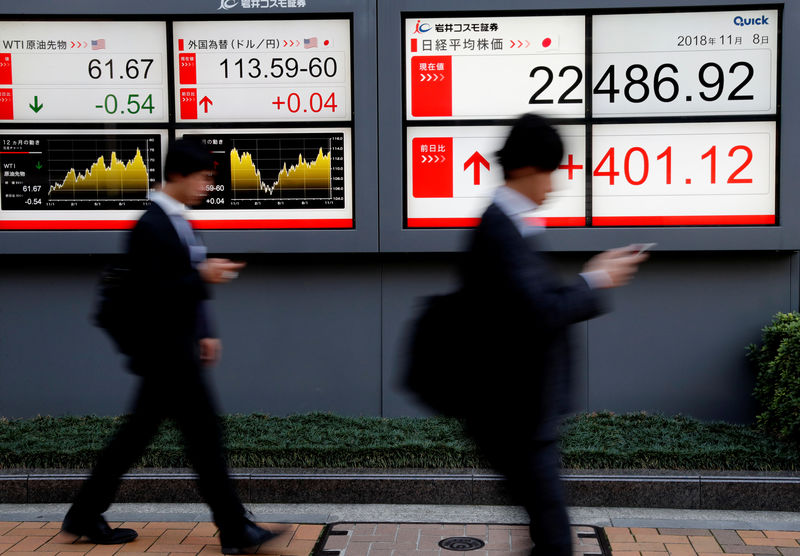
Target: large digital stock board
x=88, y=103
x=669, y=118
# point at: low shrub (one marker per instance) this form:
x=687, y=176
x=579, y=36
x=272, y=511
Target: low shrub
x=777, y=365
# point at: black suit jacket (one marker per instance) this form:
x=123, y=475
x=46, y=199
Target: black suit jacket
x=524, y=312
x=169, y=308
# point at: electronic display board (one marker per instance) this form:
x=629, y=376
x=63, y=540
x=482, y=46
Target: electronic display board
x=63, y=180
x=453, y=174
x=266, y=70
x=494, y=66
x=684, y=173
x=674, y=64
x=669, y=117
x=83, y=71
x=277, y=178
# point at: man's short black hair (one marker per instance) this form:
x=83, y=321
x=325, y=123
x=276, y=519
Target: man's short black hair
x=187, y=156
x=532, y=141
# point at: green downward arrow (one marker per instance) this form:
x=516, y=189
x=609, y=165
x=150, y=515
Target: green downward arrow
x=38, y=165
x=36, y=106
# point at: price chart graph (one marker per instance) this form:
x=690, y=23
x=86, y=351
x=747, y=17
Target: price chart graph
x=300, y=180
x=277, y=171
x=94, y=172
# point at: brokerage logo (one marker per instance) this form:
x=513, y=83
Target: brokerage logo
x=745, y=21
x=227, y=4
x=421, y=27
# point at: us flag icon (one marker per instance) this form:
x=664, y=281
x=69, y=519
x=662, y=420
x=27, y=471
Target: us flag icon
x=310, y=43
x=98, y=44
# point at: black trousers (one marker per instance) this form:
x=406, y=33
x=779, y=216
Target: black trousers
x=532, y=469
x=180, y=393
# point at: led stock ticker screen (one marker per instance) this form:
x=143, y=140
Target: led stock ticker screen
x=102, y=80
x=62, y=180
x=80, y=71
x=296, y=70
x=295, y=178
x=678, y=115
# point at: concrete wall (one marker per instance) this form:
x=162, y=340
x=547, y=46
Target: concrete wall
x=324, y=333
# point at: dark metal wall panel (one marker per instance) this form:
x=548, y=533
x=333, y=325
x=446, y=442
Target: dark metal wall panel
x=302, y=335
x=299, y=335
x=676, y=340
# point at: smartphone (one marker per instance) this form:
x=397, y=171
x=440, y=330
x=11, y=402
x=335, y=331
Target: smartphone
x=639, y=248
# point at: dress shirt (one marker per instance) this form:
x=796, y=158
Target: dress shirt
x=177, y=215
x=514, y=204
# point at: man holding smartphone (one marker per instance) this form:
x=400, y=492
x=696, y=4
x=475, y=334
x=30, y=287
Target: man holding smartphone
x=523, y=311
x=174, y=340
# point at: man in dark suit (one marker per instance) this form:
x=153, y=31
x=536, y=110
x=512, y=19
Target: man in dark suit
x=169, y=319
x=524, y=312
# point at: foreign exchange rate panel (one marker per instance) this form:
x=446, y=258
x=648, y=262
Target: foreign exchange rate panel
x=277, y=179
x=690, y=174
x=683, y=64
x=57, y=180
x=83, y=71
x=249, y=71
x=451, y=175
x=494, y=67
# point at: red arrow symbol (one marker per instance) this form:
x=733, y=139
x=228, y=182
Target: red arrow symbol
x=477, y=160
x=527, y=43
x=205, y=101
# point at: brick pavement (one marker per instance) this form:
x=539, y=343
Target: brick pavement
x=642, y=541
x=392, y=539
x=42, y=538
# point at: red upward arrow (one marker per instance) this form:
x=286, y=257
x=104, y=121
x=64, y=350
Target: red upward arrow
x=205, y=101
x=477, y=160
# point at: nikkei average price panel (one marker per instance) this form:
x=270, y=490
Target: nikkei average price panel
x=81, y=71
x=61, y=180
x=277, y=179
x=494, y=66
x=453, y=172
x=295, y=70
x=674, y=64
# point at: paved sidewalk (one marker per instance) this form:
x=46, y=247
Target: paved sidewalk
x=422, y=539
x=42, y=538
x=187, y=538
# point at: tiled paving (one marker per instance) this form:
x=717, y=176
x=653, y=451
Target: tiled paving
x=648, y=541
x=37, y=538
x=43, y=538
x=422, y=539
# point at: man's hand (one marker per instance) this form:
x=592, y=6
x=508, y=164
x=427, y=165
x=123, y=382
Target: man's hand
x=619, y=265
x=219, y=271
x=210, y=351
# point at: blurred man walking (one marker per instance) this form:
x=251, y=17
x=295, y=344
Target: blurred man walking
x=171, y=340
x=525, y=311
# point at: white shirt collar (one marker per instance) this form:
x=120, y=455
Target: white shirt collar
x=514, y=204
x=169, y=204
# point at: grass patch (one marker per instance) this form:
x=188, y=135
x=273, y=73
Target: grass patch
x=591, y=441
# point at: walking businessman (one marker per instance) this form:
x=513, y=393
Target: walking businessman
x=524, y=311
x=172, y=341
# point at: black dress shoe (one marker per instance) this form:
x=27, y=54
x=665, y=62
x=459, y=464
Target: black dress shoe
x=96, y=529
x=246, y=539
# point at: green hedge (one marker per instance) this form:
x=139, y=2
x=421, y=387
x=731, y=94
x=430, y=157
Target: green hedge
x=591, y=441
x=777, y=390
